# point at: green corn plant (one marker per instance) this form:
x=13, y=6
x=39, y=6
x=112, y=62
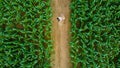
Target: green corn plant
x=95, y=33
x=25, y=39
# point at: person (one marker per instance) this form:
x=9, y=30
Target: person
x=61, y=19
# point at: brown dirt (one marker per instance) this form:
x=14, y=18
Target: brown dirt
x=60, y=34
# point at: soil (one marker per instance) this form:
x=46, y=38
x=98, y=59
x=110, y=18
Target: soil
x=60, y=34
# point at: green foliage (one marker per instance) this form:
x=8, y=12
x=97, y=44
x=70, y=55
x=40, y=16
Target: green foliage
x=95, y=33
x=25, y=28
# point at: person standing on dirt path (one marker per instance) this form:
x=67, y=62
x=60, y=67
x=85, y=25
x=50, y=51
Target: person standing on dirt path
x=61, y=19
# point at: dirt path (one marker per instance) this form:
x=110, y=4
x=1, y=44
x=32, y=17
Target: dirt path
x=60, y=33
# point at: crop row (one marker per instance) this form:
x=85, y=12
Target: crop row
x=95, y=33
x=25, y=28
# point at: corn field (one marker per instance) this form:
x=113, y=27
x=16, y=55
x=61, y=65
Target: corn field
x=26, y=26
x=95, y=40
